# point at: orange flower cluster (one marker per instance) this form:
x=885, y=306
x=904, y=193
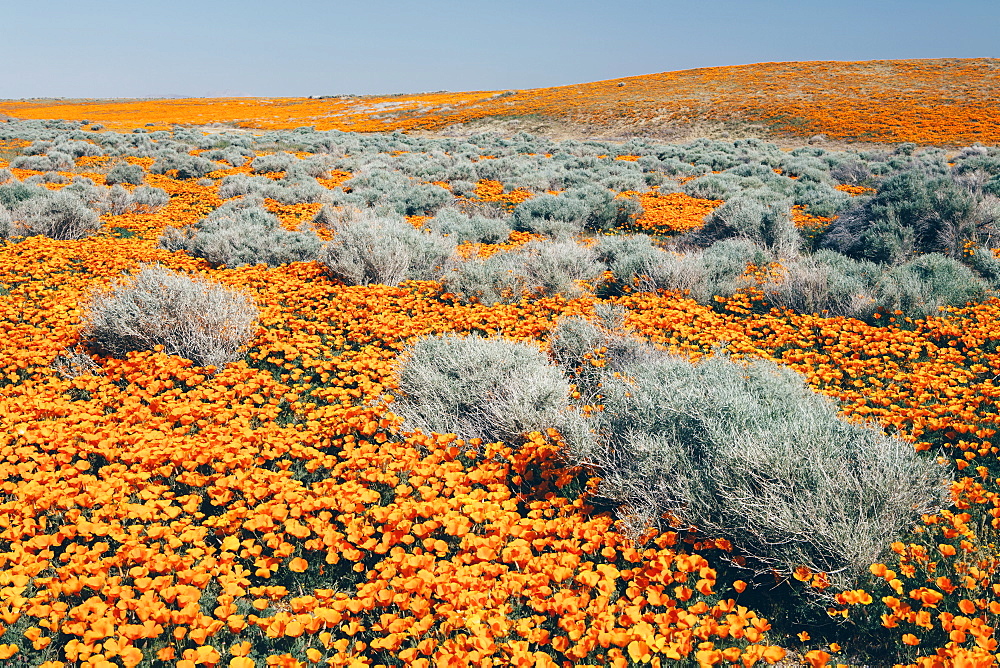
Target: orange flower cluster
x=809, y=226
x=493, y=191
x=942, y=594
x=932, y=101
x=667, y=213
x=854, y=191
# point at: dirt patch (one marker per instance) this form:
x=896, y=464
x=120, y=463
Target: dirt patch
x=664, y=131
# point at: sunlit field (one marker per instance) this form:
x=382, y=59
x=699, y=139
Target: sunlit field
x=285, y=397
x=932, y=101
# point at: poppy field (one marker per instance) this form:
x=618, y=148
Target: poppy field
x=928, y=101
x=274, y=511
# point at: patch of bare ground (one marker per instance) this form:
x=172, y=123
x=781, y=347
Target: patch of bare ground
x=661, y=130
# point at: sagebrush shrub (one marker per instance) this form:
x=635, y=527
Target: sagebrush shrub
x=603, y=210
x=393, y=190
x=242, y=233
x=146, y=199
x=235, y=156
x=537, y=269
x=15, y=192
x=191, y=317
x=637, y=264
x=186, y=166
x=276, y=162
x=748, y=452
x=58, y=215
x=825, y=283
x=56, y=160
x=913, y=212
x=924, y=285
x=6, y=223
x=559, y=267
x=500, y=278
x=370, y=249
x=463, y=228
x=575, y=342
x=493, y=389
x=768, y=224
x=550, y=215
x=851, y=172
x=985, y=262
x=124, y=173
x=48, y=177
x=118, y=200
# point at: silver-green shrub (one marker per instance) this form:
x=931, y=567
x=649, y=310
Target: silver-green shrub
x=498, y=279
x=6, y=223
x=118, y=200
x=494, y=389
x=146, y=199
x=187, y=166
x=550, y=215
x=925, y=285
x=825, y=283
x=368, y=248
x=748, y=452
x=59, y=215
x=637, y=264
x=191, y=317
x=462, y=228
x=276, y=162
x=124, y=173
x=537, y=269
x=241, y=233
x=767, y=224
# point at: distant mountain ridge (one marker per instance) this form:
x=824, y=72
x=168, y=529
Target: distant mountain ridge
x=933, y=101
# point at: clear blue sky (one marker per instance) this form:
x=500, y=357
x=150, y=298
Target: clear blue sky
x=152, y=48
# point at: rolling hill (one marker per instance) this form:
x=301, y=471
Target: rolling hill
x=935, y=101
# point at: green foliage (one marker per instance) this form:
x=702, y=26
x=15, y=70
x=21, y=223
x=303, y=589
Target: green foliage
x=912, y=213
x=925, y=285
x=13, y=193
x=604, y=211
x=985, y=263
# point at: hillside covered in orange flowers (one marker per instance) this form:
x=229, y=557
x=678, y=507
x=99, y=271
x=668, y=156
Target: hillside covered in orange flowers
x=935, y=101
